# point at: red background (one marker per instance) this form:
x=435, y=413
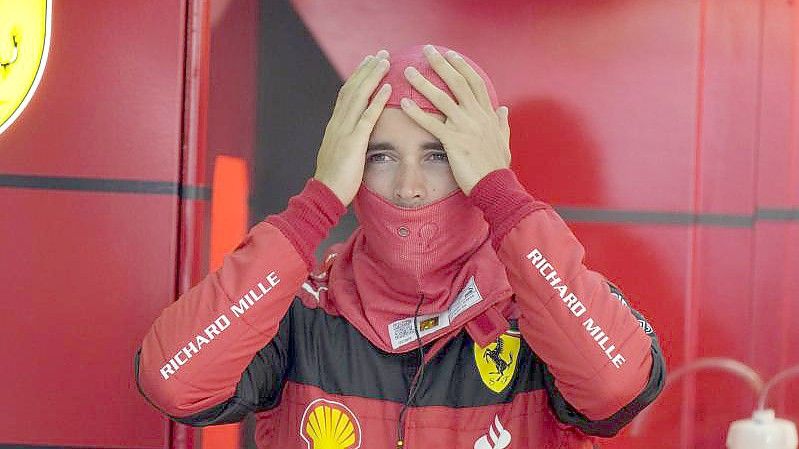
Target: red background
x=664, y=132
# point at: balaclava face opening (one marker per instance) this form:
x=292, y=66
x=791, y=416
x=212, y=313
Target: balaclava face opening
x=415, y=243
x=400, y=256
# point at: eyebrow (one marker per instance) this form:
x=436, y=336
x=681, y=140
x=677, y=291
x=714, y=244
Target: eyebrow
x=387, y=146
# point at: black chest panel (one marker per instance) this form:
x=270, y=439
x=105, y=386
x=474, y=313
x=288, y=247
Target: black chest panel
x=329, y=353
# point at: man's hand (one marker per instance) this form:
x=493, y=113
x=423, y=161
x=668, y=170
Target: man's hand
x=342, y=155
x=475, y=137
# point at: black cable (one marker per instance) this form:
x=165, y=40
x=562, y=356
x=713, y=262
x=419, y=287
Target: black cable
x=417, y=378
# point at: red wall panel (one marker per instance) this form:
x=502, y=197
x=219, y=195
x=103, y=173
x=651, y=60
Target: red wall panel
x=664, y=132
x=86, y=267
x=76, y=298
x=109, y=103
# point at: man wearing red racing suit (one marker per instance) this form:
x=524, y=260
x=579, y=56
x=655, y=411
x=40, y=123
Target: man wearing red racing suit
x=459, y=314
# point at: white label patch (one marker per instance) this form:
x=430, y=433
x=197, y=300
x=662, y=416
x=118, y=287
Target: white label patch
x=468, y=297
x=402, y=331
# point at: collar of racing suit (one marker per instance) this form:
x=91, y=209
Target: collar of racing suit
x=440, y=252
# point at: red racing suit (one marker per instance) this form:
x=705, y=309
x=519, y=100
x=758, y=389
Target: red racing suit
x=575, y=364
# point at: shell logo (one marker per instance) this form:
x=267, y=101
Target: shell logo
x=24, y=44
x=330, y=425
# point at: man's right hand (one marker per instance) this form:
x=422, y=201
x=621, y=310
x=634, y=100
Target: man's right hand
x=342, y=155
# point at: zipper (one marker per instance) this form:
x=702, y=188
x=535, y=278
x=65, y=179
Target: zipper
x=417, y=378
x=405, y=408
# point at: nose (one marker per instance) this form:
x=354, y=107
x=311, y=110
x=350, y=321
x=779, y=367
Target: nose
x=409, y=186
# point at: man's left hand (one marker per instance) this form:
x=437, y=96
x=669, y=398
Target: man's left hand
x=475, y=137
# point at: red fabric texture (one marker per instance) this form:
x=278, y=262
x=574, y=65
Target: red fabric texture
x=398, y=256
x=583, y=369
x=504, y=201
x=308, y=218
x=209, y=376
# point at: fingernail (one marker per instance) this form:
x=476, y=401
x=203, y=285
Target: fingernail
x=410, y=71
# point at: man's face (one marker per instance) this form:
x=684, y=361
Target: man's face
x=405, y=164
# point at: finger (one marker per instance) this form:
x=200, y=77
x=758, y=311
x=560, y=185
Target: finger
x=425, y=120
x=369, y=117
x=360, y=72
x=360, y=97
x=362, y=63
x=476, y=82
x=341, y=105
x=504, y=125
x=363, y=69
x=440, y=99
x=351, y=86
x=455, y=80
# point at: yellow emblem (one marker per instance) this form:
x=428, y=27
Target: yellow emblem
x=24, y=43
x=497, y=361
x=330, y=425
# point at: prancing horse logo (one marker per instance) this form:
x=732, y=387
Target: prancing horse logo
x=497, y=361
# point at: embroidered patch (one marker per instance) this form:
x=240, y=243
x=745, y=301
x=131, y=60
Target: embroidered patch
x=497, y=361
x=330, y=425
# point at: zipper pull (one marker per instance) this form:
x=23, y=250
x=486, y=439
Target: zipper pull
x=400, y=444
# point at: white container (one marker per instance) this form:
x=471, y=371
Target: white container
x=763, y=431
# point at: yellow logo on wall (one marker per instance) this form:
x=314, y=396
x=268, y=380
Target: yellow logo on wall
x=497, y=361
x=24, y=44
x=330, y=425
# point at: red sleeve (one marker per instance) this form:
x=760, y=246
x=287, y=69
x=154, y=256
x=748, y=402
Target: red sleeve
x=591, y=342
x=193, y=355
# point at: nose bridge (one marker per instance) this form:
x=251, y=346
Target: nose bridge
x=410, y=180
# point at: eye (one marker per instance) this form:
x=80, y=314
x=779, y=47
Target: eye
x=377, y=157
x=439, y=156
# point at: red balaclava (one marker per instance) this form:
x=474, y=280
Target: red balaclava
x=399, y=257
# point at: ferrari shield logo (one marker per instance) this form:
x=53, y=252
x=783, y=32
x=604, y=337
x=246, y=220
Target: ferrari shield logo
x=497, y=361
x=24, y=43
